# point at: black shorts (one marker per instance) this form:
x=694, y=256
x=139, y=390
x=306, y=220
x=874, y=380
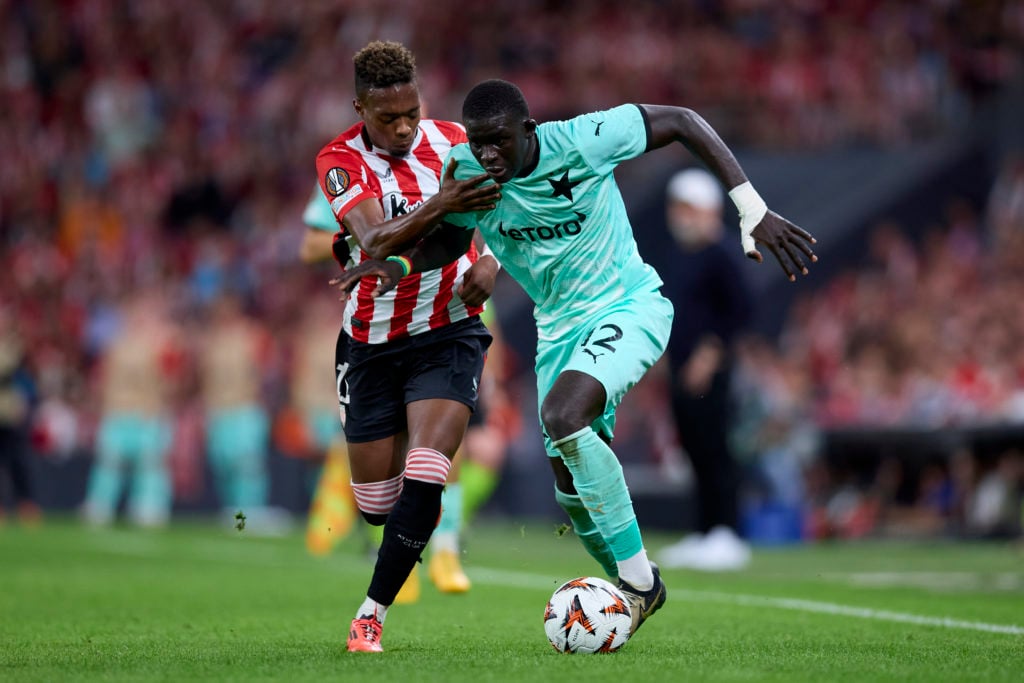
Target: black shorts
x=376, y=381
x=479, y=417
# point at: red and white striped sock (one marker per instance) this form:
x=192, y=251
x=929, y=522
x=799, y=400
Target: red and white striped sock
x=427, y=465
x=378, y=497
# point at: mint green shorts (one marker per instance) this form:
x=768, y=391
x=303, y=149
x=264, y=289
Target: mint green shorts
x=237, y=432
x=615, y=347
x=129, y=437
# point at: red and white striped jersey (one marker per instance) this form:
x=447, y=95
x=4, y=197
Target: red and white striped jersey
x=350, y=170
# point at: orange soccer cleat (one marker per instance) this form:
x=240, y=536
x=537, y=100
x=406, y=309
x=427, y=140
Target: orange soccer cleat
x=364, y=635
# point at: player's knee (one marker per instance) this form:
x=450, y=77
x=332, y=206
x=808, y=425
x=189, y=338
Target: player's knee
x=374, y=518
x=561, y=418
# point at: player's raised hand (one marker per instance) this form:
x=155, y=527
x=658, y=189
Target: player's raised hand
x=789, y=243
x=466, y=196
x=388, y=273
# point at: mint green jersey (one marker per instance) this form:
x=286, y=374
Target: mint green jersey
x=562, y=232
x=318, y=213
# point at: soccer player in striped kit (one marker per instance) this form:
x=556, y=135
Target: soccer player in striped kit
x=561, y=231
x=409, y=363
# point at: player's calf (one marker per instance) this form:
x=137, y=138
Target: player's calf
x=410, y=523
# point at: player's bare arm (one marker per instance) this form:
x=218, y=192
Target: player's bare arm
x=788, y=243
x=380, y=238
x=316, y=246
x=440, y=247
x=478, y=282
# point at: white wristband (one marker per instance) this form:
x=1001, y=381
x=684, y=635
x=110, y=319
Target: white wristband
x=751, y=209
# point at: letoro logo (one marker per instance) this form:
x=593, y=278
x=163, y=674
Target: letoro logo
x=563, y=230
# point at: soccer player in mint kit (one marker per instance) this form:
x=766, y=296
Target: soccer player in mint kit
x=560, y=229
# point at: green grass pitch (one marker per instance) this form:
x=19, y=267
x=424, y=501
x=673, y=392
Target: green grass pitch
x=196, y=602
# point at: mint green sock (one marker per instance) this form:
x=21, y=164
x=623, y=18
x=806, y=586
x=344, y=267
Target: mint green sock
x=597, y=476
x=587, y=532
x=451, y=509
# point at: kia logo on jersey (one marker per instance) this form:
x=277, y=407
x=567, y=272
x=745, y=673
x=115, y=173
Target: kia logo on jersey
x=337, y=181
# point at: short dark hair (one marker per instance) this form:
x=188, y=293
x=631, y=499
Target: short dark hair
x=382, y=64
x=492, y=98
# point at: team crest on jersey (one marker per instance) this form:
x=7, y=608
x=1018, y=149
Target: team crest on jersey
x=337, y=181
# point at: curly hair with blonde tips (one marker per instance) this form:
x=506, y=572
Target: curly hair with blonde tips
x=382, y=64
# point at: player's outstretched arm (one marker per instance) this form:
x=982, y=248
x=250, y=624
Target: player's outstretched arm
x=440, y=247
x=381, y=238
x=316, y=246
x=790, y=244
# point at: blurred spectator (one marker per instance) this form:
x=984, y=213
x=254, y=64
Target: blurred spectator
x=706, y=285
x=15, y=395
x=136, y=386
x=1006, y=202
x=232, y=350
x=774, y=435
x=994, y=508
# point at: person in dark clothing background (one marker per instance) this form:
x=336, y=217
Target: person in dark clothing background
x=707, y=287
x=15, y=402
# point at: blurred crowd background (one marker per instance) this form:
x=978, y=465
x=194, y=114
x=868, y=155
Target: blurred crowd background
x=157, y=157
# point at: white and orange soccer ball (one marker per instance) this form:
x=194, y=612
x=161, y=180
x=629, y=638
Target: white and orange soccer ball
x=587, y=615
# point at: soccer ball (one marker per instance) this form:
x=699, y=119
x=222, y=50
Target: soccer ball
x=587, y=615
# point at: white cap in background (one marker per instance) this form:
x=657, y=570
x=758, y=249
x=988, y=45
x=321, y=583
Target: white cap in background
x=696, y=187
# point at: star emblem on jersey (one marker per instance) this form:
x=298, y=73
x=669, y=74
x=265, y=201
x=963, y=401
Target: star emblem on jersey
x=563, y=186
x=337, y=181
